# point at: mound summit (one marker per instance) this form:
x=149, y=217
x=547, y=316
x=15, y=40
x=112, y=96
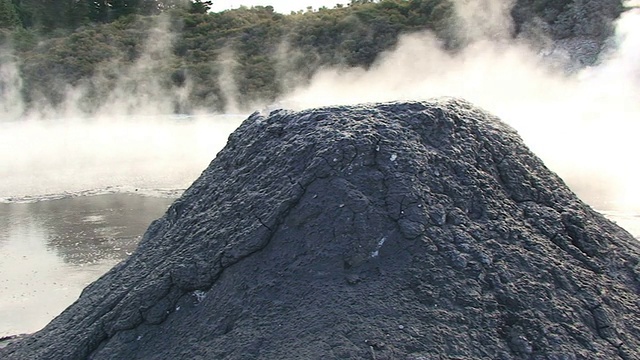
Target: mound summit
x=420, y=230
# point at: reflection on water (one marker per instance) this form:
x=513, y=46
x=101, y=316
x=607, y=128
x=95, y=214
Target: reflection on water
x=51, y=250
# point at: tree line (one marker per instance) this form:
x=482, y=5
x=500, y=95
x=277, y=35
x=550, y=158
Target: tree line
x=209, y=59
x=47, y=15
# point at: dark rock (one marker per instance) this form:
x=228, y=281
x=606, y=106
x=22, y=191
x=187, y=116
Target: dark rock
x=390, y=231
x=578, y=29
x=8, y=339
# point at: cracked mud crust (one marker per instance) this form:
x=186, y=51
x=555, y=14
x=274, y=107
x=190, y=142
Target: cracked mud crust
x=413, y=230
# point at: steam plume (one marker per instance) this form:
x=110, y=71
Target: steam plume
x=584, y=125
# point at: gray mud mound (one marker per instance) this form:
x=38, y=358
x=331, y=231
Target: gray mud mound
x=422, y=230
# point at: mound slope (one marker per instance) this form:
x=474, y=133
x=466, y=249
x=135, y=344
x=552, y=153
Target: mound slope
x=387, y=231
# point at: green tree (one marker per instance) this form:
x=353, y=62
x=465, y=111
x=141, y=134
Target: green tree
x=47, y=15
x=98, y=10
x=200, y=7
x=118, y=8
x=9, y=18
x=76, y=13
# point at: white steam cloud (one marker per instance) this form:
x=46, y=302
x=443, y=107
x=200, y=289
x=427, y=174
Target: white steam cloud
x=125, y=154
x=584, y=125
x=482, y=19
x=129, y=144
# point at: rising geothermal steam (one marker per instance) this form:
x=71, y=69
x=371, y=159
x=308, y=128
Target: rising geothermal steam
x=129, y=144
x=584, y=126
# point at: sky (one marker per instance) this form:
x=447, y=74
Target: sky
x=282, y=6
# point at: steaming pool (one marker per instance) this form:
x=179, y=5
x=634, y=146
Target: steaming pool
x=107, y=180
x=51, y=249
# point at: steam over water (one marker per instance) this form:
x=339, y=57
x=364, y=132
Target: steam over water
x=584, y=125
x=50, y=158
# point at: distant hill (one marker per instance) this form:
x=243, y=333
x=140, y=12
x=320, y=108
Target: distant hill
x=189, y=59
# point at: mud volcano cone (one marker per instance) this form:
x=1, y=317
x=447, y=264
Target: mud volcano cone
x=422, y=230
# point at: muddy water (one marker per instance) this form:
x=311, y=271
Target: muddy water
x=50, y=250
